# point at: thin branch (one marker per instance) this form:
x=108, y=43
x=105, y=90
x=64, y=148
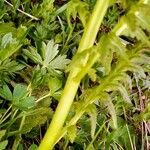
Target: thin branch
x=21, y=11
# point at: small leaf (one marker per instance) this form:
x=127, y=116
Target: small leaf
x=54, y=84
x=108, y=102
x=26, y=103
x=9, y=49
x=16, y=4
x=33, y=54
x=124, y=93
x=7, y=38
x=51, y=50
x=20, y=91
x=59, y=62
x=35, y=118
x=6, y=93
x=33, y=147
x=92, y=111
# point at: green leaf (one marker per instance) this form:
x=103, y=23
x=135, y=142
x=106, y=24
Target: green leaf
x=26, y=103
x=6, y=93
x=50, y=52
x=9, y=68
x=20, y=91
x=124, y=93
x=33, y=54
x=77, y=7
x=21, y=98
x=3, y=145
x=59, y=63
x=35, y=118
x=92, y=111
x=54, y=84
x=7, y=38
x=16, y=4
x=72, y=133
x=10, y=47
x=33, y=147
x=6, y=28
x=20, y=147
x=2, y=133
x=106, y=100
x=48, y=59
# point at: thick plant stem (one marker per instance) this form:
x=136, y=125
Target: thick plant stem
x=71, y=86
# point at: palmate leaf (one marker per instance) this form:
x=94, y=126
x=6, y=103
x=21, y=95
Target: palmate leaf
x=19, y=97
x=49, y=52
x=48, y=58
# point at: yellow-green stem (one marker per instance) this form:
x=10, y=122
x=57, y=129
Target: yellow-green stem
x=71, y=86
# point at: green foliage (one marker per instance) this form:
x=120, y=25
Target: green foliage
x=48, y=58
x=3, y=144
x=19, y=97
x=77, y=7
x=38, y=54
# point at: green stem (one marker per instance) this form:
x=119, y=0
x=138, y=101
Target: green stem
x=71, y=86
x=4, y=116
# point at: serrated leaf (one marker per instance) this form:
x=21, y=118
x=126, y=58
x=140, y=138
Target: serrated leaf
x=20, y=91
x=48, y=59
x=35, y=118
x=9, y=49
x=6, y=93
x=124, y=93
x=72, y=133
x=51, y=50
x=92, y=111
x=26, y=103
x=33, y=54
x=57, y=95
x=106, y=100
x=59, y=62
x=77, y=7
